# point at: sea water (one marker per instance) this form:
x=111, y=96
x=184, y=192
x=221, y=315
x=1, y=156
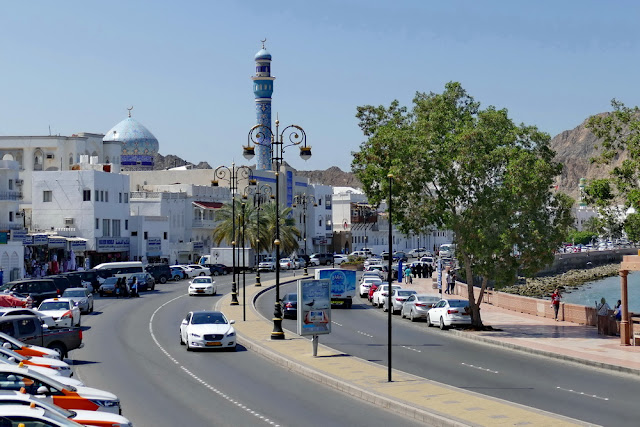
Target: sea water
x=609, y=288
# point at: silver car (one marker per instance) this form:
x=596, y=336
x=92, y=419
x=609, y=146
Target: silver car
x=417, y=306
x=80, y=297
x=398, y=297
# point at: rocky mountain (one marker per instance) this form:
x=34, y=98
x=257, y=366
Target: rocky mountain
x=333, y=176
x=574, y=149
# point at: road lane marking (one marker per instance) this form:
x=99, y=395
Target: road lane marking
x=194, y=376
x=336, y=323
x=412, y=349
x=479, y=367
x=582, y=393
x=365, y=334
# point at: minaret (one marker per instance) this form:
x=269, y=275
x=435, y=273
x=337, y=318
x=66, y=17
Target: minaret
x=262, y=89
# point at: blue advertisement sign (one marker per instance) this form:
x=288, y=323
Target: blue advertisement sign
x=314, y=307
x=154, y=246
x=289, y=188
x=343, y=282
x=40, y=239
x=439, y=270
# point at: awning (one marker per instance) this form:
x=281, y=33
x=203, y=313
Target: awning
x=208, y=205
x=77, y=244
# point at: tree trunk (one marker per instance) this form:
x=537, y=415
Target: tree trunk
x=476, y=320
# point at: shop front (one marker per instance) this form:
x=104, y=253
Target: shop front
x=109, y=249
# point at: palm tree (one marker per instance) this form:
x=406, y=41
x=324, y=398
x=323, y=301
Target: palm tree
x=289, y=233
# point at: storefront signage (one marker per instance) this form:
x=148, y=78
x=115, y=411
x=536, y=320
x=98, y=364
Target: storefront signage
x=57, y=243
x=314, y=307
x=18, y=235
x=40, y=239
x=79, y=245
x=198, y=246
x=154, y=246
x=112, y=244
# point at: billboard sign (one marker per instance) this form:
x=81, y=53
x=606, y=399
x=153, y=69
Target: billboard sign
x=314, y=307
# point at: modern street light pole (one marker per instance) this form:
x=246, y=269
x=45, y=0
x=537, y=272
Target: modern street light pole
x=260, y=135
x=232, y=175
x=304, y=199
x=258, y=193
x=390, y=280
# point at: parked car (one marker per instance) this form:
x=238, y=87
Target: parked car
x=81, y=416
x=38, y=289
x=88, y=277
x=398, y=297
x=67, y=397
x=63, y=310
x=200, y=270
x=417, y=306
x=29, y=330
x=380, y=295
x=188, y=271
x=298, y=263
x=400, y=256
x=313, y=261
x=219, y=269
x=286, y=264
x=13, y=415
x=80, y=297
x=323, y=259
x=267, y=265
x=417, y=252
x=366, y=283
x=61, y=282
x=161, y=272
x=447, y=313
x=340, y=258
x=19, y=311
x=178, y=273
x=145, y=281
x=62, y=368
x=202, y=285
x=373, y=289
x=7, y=341
x=207, y=329
x=289, y=304
x=75, y=281
x=18, y=362
x=305, y=260
x=108, y=287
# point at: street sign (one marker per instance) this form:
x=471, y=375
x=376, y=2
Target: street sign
x=314, y=307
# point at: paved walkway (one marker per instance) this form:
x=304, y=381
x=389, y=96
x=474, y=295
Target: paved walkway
x=424, y=400
x=540, y=335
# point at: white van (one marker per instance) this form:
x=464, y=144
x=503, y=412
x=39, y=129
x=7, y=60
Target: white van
x=121, y=269
x=359, y=254
x=447, y=250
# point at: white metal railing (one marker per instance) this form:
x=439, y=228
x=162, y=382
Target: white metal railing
x=10, y=195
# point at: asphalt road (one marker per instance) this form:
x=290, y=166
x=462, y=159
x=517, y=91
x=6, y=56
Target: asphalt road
x=583, y=393
x=132, y=349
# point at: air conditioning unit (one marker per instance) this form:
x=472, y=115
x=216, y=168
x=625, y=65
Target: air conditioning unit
x=18, y=214
x=68, y=221
x=19, y=181
x=50, y=156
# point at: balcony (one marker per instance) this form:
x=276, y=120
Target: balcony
x=10, y=195
x=11, y=225
x=204, y=223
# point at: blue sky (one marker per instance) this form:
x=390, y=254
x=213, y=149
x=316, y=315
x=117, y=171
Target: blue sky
x=185, y=66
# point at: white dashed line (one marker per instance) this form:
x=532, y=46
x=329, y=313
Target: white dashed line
x=412, y=349
x=194, y=376
x=365, y=334
x=336, y=323
x=583, y=394
x=479, y=368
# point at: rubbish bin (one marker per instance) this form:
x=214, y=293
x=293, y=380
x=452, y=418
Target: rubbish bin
x=603, y=325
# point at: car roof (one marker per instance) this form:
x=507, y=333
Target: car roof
x=75, y=289
x=57, y=300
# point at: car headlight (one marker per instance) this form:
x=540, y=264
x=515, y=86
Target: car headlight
x=231, y=334
x=194, y=335
x=106, y=403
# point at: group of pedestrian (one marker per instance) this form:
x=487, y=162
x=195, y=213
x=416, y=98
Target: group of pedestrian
x=126, y=290
x=418, y=270
x=450, y=280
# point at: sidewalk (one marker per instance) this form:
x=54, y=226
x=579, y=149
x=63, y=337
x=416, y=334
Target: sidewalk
x=415, y=397
x=540, y=335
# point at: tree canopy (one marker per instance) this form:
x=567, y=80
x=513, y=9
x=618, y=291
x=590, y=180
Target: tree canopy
x=470, y=170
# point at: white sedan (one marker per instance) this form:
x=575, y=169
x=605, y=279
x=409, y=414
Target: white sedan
x=366, y=283
x=63, y=310
x=339, y=258
x=188, y=271
x=200, y=270
x=286, y=264
x=202, y=285
x=450, y=312
x=207, y=329
x=379, y=297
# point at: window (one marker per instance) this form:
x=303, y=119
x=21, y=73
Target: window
x=47, y=196
x=97, y=223
x=102, y=195
x=106, y=229
x=86, y=195
x=106, y=196
x=26, y=327
x=134, y=233
x=119, y=197
x=115, y=225
x=319, y=201
x=97, y=196
x=126, y=224
x=10, y=184
x=165, y=235
x=70, y=159
x=10, y=216
x=126, y=197
x=146, y=235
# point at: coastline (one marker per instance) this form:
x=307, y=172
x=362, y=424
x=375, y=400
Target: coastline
x=541, y=287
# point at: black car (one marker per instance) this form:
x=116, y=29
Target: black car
x=74, y=280
x=289, y=304
x=61, y=282
x=145, y=281
x=161, y=272
x=400, y=256
x=90, y=276
x=218, y=269
x=39, y=289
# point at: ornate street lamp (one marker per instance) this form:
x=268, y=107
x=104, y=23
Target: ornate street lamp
x=258, y=193
x=264, y=136
x=232, y=175
x=304, y=199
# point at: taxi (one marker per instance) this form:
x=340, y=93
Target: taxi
x=61, y=367
x=64, y=311
x=7, y=341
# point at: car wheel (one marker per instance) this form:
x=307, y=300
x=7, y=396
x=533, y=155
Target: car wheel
x=91, y=308
x=176, y=278
x=412, y=317
x=402, y=313
x=215, y=273
x=384, y=307
x=201, y=274
x=188, y=346
x=442, y=326
x=60, y=349
x=429, y=324
x=79, y=322
x=181, y=340
x=163, y=279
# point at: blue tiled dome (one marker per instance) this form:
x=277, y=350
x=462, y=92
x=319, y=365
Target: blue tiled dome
x=263, y=54
x=136, y=139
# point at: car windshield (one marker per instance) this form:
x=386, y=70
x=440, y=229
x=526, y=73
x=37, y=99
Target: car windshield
x=54, y=305
x=455, y=303
x=428, y=299
x=201, y=280
x=110, y=280
x=290, y=297
x=405, y=293
x=208, y=318
x=77, y=293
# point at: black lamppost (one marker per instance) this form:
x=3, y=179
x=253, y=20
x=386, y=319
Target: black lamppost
x=258, y=193
x=304, y=199
x=232, y=175
x=244, y=300
x=264, y=136
x=390, y=280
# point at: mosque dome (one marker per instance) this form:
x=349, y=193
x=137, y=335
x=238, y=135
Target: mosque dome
x=139, y=146
x=263, y=54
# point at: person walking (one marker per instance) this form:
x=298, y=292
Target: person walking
x=555, y=302
x=452, y=281
x=134, y=287
x=447, y=279
x=617, y=312
x=407, y=274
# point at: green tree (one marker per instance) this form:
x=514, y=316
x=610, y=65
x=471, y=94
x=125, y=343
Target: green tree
x=632, y=227
x=581, y=237
x=593, y=225
x=471, y=171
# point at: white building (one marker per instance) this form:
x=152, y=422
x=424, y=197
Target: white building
x=11, y=220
